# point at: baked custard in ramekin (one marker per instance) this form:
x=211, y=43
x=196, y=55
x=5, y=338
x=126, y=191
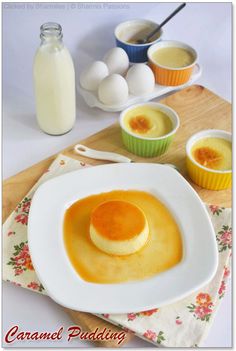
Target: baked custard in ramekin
x=172, y=62
x=209, y=159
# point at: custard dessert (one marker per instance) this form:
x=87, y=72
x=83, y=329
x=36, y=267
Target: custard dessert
x=148, y=122
x=213, y=153
x=143, y=240
x=118, y=227
x=173, y=57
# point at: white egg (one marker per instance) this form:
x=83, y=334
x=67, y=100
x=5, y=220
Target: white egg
x=113, y=90
x=140, y=79
x=93, y=75
x=117, y=61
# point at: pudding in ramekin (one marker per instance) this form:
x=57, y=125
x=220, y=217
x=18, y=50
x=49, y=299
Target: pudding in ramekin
x=148, y=128
x=209, y=159
x=172, y=62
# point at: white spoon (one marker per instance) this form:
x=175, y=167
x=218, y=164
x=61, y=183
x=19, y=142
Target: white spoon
x=100, y=155
x=107, y=156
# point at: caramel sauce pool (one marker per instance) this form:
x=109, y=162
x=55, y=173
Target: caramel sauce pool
x=162, y=251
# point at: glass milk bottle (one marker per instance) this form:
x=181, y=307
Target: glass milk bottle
x=54, y=82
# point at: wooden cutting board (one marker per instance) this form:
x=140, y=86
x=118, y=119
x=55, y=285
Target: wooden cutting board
x=198, y=109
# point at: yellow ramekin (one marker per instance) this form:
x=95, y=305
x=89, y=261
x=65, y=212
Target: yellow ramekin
x=202, y=176
x=166, y=75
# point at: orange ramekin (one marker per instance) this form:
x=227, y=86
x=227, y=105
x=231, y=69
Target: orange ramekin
x=166, y=75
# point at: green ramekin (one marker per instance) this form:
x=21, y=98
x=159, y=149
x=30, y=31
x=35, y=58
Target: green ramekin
x=149, y=147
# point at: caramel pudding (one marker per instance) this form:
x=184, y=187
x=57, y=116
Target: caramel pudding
x=173, y=57
x=118, y=227
x=213, y=153
x=150, y=232
x=148, y=122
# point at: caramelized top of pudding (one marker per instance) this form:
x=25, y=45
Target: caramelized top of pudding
x=118, y=220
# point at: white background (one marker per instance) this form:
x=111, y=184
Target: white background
x=88, y=33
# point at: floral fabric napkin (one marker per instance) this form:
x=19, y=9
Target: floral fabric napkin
x=182, y=324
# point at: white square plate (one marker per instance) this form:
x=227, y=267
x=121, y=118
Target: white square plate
x=56, y=273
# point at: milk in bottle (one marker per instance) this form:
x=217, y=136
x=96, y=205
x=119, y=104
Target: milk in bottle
x=54, y=81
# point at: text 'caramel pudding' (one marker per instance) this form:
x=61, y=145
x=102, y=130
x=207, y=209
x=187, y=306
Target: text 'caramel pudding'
x=213, y=153
x=118, y=227
x=148, y=122
x=120, y=236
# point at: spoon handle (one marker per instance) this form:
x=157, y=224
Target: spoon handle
x=166, y=20
x=108, y=156
x=100, y=155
